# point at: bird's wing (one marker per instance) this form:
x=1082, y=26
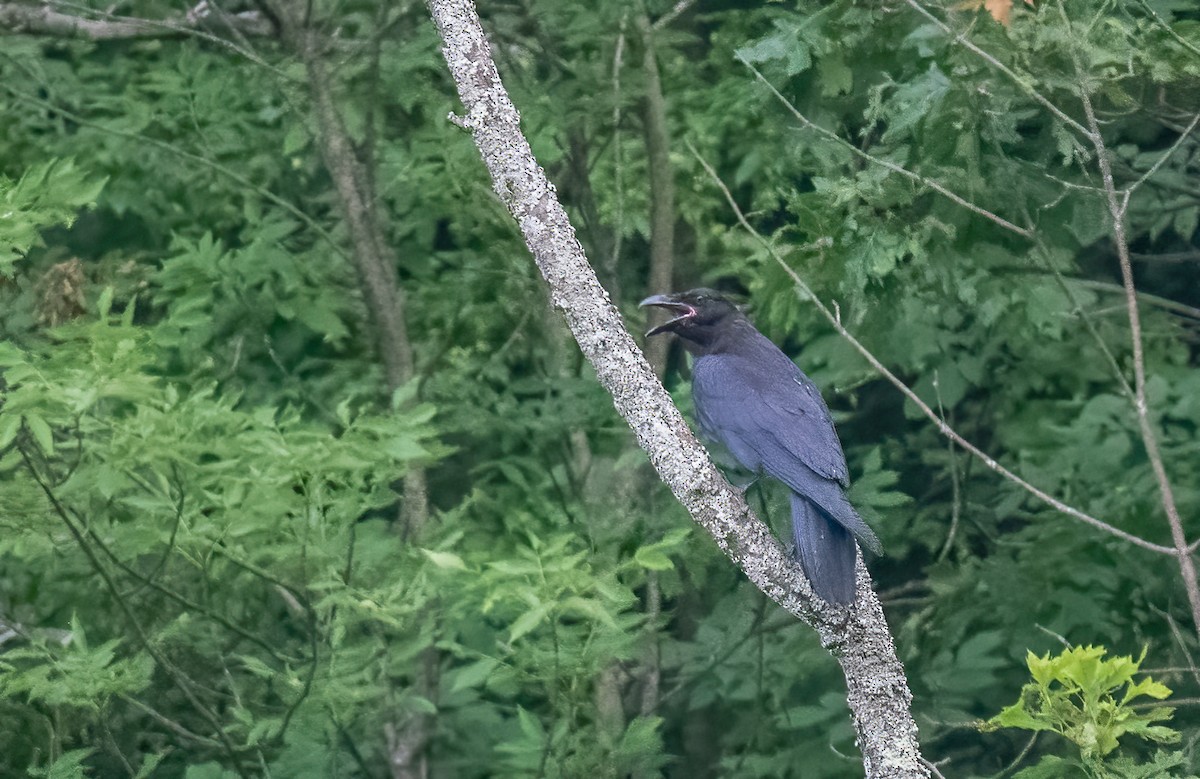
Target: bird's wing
x=767, y=412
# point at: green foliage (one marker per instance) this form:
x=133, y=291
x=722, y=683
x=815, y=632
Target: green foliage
x=46, y=195
x=1088, y=700
x=202, y=569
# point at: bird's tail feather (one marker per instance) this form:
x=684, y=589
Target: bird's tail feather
x=826, y=551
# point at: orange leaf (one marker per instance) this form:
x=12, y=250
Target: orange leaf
x=1000, y=10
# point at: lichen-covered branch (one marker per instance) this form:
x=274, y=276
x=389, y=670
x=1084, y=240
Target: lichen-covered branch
x=859, y=638
x=42, y=19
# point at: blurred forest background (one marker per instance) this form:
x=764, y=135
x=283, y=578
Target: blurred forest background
x=301, y=476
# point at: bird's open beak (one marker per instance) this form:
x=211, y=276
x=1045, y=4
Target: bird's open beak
x=681, y=310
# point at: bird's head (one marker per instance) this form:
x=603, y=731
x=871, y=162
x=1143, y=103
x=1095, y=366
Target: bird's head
x=698, y=315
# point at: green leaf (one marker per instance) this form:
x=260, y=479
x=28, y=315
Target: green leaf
x=447, y=560
x=403, y=448
x=41, y=433
x=10, y=354
x=589, y=608
x=68, y=766
x=1074, y=694
x=652, y=559
x=208, y=771
x=149, y=764
x=472, y=675
x=531, y=726
x=47, y=195
x=1015, y=716
x=528, y=621
x=296, y=139
x=1051, y=767
x=257, y=667
x=418, y=704
x=104, y=304
x=1148, y=687
x=836, y=76
x=10, y=425
x=785, y=45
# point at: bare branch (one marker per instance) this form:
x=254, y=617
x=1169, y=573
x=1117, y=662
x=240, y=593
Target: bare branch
x=43, y=20
x=933, y=768
x=932, y=415
x=673, y=14
x=1159, y=163
x=1116, y=210
x=1166, y=304
x=1166, y=257
x=858, y=635
x=1182, y=41
x=955, y=488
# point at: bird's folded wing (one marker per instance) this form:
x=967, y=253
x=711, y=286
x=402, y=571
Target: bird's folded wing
x=780, y=417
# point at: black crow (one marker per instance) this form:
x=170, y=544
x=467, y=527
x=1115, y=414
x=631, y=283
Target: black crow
x=753, y=400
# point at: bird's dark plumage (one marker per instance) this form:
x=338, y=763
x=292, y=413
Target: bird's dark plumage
x=752, y=399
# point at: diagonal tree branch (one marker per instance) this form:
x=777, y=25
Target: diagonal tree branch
x=858, y=637
x=42, y=19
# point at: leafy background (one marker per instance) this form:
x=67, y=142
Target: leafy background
x=201, y=568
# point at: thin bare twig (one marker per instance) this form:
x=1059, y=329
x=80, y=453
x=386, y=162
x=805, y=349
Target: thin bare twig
x=942, y=427
x=1166, y=304
x=956, y=489
x=933, y=768
x=1116, y=209
x=1020, y=756
x=1060, y=638
x=1129, y=190
x=673, y=14
x=1167, y=257
x=1044, y=255
x=1182, y=41
x=168, y=722
x=1182, y=642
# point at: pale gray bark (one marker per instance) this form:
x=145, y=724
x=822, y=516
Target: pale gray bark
x=858, y=637
x=42, y=19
